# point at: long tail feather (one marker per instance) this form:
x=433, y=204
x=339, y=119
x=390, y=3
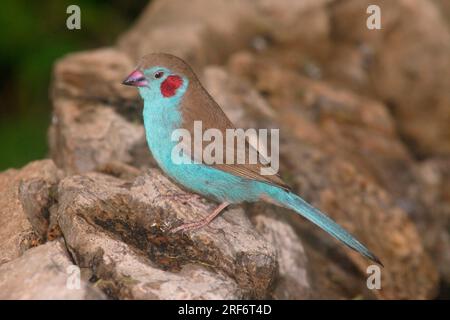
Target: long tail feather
x=294, y=202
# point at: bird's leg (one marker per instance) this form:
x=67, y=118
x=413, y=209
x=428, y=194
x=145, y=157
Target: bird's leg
x=203, y=222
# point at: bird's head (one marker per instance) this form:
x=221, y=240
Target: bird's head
x=161, y=76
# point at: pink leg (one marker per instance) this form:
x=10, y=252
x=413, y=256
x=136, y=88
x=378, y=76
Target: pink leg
x=203, y=222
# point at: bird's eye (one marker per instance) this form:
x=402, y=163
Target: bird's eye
x=158, y=74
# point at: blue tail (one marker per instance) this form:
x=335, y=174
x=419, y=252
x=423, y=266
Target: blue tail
x=294, y=202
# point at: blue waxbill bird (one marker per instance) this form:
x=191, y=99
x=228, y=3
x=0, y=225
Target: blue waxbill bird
x=174, y=98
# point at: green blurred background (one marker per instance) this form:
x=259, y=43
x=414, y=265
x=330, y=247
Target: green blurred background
x=32, y=35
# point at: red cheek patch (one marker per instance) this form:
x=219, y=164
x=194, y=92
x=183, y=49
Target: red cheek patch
x=170, y=85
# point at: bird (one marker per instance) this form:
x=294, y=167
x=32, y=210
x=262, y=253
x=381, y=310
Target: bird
x=174, y=99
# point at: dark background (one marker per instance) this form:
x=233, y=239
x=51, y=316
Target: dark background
x=33, y=34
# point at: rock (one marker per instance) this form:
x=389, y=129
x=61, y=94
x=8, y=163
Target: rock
x=208, y=31
x=121, y=230
x=444, y=8
x=188, y=32
x=16, y=233
x=37, y=196
x=94, y=76
x=329, y=40
x=84, y=140
x=327, y=177
x=335, y=120
x=293, y=281
x=369, y=213
x=404, y=64
x=123, y=274
x=338, y=122
x=43, y=273
x=86, y=131
x=432, y=190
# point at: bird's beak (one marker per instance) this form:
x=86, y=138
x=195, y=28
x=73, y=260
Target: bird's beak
x=135, y=79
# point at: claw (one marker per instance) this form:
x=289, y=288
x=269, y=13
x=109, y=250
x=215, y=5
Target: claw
x=201, y=223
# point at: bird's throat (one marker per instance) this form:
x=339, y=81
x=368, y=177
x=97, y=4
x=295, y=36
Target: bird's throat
x=161, y=118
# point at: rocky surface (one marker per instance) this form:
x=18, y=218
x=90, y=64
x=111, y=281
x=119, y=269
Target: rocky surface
x=408, y=74
x=364, y=136
x=97, y=213
x=44, y=273
x=86, y=88
x=17, y=233
x=335, y=178
x=293, y=280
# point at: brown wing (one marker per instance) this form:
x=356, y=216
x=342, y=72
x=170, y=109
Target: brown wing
x=198, y=105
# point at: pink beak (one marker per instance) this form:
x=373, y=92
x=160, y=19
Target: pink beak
x=136, y=79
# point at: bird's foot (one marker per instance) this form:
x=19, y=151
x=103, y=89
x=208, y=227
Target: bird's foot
x=190, y=226
x=201, y=223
